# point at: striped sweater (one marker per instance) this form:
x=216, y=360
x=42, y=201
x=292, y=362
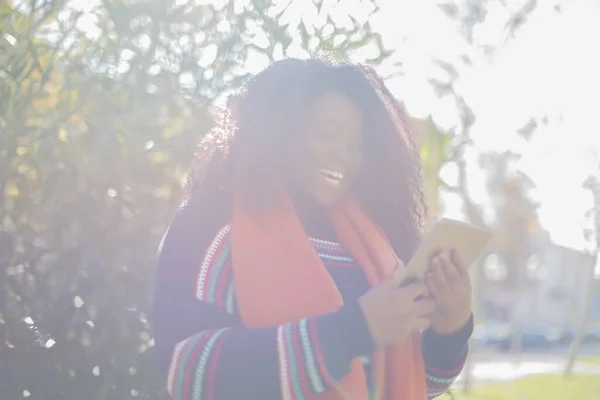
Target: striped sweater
x=205, y=352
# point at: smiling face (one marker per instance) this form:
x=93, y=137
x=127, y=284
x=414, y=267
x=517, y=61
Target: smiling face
x=333, y=148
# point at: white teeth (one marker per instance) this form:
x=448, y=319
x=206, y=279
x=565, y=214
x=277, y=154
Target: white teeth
x=333, y=178
x=333, y=182
x=333, y=175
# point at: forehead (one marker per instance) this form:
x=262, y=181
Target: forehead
x=337, y=110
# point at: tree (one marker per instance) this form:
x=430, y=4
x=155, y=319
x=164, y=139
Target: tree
x=467, y=15
x=433, y=149
x=593, y=185
x=99, y=110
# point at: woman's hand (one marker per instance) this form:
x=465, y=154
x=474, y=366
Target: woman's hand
x=393, y=313
x=449, y=286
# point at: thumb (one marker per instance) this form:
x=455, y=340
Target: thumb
x=394, y=279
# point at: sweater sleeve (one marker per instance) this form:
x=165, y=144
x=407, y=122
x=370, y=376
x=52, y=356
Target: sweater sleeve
x=205, y=352
x=445, y=357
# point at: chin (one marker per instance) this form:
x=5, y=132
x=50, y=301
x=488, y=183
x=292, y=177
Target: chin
x=328, y=198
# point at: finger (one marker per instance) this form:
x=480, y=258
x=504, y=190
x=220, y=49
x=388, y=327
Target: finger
x=421, y=323
x=411, y=291
x=423, y=307
x=433, y=256
x=400, y=264
x=432, y=288
x=440, y=280
x=453, y=277
x=394, y=278
x=458, y=264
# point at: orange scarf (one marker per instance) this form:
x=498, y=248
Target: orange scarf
x=280, y=278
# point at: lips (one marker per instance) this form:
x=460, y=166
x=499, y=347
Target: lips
x=332, y=177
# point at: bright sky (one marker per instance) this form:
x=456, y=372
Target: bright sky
x=550, y=68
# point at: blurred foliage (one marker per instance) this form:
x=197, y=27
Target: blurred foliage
x=434, y=145
x=468, y=16
x=101, y=104
x=470, y=13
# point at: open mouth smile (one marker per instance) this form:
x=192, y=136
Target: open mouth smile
x=333, y=178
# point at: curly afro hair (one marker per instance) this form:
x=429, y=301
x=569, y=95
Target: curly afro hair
x=246, y=149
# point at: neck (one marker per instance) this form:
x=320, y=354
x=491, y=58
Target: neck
x=313, y=216
x=304, y=204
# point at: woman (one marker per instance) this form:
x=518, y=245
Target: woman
x=276, y=276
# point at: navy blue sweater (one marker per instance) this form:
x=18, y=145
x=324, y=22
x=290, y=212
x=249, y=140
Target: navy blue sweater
x=205, y=352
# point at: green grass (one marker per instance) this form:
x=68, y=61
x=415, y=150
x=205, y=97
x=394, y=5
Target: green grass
x=589, y=360
x=543, y=387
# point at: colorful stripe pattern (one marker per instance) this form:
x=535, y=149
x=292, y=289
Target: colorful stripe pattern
x=440, y=380
x=302, y=370
x=301, y=367
x=193, y=363
x=332, y=253
x=214, y=280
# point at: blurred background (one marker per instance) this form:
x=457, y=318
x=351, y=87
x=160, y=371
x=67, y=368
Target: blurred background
x=103, y=101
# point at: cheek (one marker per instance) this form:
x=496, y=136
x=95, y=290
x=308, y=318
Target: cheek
x=313, y=154
x=363, y=169
x=317, y=150
x=358, y=169
x=302, y=163
x=357, y=162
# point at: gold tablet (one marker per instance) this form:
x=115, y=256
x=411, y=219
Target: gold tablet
x=468, y=241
